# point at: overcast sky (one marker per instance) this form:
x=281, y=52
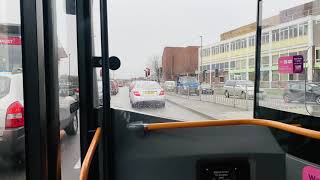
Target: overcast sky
x=139, y=29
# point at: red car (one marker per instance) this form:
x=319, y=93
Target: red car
x=114, y=88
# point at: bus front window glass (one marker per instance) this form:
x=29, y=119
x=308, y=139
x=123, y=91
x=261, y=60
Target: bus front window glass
x=291, y=93
x=191, y=60
x=12, y=143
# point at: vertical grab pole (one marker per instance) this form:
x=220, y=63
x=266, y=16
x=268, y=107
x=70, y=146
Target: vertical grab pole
x=107, y=130
x=258, y=55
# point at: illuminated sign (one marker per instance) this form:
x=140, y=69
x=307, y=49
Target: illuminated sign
x=290, y=64
x=10, y=40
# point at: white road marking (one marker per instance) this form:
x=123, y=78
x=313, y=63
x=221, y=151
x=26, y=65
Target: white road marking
x=77, y=165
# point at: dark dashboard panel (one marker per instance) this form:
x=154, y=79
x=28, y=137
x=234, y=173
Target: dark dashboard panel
x=179, y=153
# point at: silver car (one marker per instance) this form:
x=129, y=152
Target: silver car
x=147, y=93
x=241, y=88
x=170, y=86
x=12, y=136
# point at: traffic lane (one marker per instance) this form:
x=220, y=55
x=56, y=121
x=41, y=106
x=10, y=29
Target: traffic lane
x=70, y=156
x=122, y=100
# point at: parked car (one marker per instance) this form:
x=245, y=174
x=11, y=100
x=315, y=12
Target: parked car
x=131, y=86
x=114, y=88
x=241, y=88
x=188, y=85
x=169, y=86
x=298, y=92
x=12, y=135
x=206, y=89
x=147, y=93
x=120, y=84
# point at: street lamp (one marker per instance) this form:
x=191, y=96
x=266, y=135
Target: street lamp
x=200, y=69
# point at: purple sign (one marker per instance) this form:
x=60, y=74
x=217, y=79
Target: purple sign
x=290, y=64
x=310, y=172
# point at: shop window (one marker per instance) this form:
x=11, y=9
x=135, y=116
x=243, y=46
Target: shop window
x=264, y=75
x=265, y=61
x=243, y=64
x=221, y=66
x=237, y=64
x=283, y=77
x=226, y=65
x=232, y=64
x=275, y=59
x=251, y=76
x=251, y=62
x=275, y=76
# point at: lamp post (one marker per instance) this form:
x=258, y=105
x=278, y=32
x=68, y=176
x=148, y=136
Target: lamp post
x=200, y=69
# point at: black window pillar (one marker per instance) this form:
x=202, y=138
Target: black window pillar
x=34, y=89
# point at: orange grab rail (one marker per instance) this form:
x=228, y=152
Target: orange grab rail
x=260, y=122
x=87, y=160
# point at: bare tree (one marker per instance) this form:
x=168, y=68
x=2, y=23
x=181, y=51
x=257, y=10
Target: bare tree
x=154, y=65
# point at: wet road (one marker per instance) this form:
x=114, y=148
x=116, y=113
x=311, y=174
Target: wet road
x=122, y=100
x=70, y=145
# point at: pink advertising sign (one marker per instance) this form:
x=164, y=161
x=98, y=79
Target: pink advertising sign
x=310, y=173
x=290, y=64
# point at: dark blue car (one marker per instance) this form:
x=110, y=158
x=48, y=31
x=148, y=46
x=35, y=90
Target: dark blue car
x=188, y=85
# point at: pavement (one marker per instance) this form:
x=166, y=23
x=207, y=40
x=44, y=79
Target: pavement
x=209, y=109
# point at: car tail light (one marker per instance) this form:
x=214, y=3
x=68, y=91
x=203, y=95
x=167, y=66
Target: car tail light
x=76, y=90
x=136, y=93
x=161, y=93
x=15, y=115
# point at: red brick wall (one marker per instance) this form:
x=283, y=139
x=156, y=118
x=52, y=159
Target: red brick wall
x=179, y=61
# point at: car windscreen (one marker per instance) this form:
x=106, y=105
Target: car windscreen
x=4, y=86
x=147, y=85
x=189, y=80
x=246, y=83
x=205, y=86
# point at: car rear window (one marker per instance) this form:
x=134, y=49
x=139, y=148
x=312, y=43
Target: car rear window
x=148, y=85
x=4, y=86
x=247, y=83
x=170, y=83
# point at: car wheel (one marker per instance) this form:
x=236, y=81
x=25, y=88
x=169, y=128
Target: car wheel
x=286, y=98
x=318, y=99
x=72, y=128
x=227, y=94
x=133, y=105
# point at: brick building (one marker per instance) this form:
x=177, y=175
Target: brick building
x=179, y=61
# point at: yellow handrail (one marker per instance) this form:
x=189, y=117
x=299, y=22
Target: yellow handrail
x=89, y=155
x=260, y=122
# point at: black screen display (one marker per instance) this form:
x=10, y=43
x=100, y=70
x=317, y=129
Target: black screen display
x=223, y=170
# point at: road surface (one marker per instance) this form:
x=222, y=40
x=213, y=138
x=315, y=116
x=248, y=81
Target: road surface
x=70, y=145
